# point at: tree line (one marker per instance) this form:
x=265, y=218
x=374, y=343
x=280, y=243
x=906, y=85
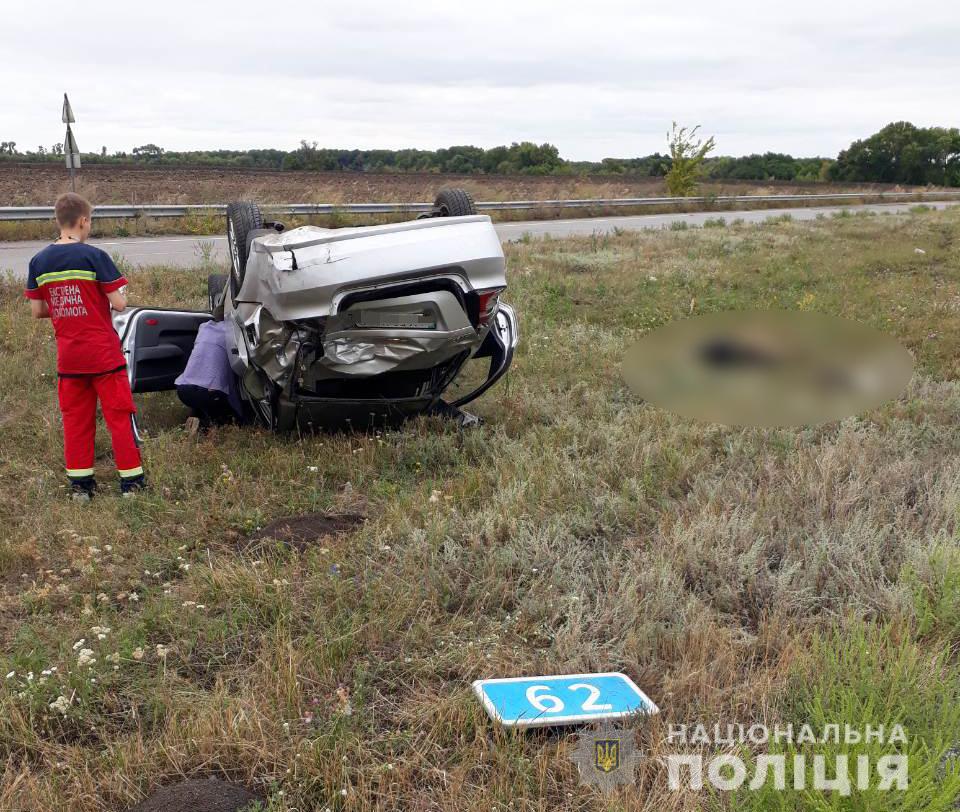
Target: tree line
x=899, y=153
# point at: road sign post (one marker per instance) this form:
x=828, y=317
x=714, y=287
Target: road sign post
x=71, y=151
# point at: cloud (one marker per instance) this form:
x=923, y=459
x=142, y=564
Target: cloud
x=596, y=79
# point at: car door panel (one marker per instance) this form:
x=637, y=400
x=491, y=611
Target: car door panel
x=157, y=344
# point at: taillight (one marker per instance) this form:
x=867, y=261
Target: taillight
x=487, y=301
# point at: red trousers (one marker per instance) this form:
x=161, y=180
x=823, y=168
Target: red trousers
x=78, y=404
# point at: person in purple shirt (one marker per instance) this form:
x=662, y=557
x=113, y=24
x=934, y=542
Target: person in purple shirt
x=208, y=385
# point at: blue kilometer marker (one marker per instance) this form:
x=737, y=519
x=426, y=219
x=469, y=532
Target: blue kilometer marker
x=565, y=699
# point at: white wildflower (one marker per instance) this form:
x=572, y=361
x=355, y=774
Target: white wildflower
x=79, y=643
x=85, y=657
x=137, y=654
x=60, y=704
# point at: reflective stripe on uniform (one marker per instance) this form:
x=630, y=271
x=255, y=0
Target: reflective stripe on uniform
x=131, y=472
x=66, y=276
x=77, y=473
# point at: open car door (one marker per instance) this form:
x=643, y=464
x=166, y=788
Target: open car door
x=157, y=344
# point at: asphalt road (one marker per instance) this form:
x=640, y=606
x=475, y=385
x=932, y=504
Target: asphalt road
x=188, y=252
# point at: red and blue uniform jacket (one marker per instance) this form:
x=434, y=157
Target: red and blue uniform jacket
x=74, y=280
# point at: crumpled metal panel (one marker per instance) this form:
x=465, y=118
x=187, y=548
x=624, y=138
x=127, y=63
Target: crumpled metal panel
x=355, y=350
x=344, y=351
x=354, y=355
x=274, y=352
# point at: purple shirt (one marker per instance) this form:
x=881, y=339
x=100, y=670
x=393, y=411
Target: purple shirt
x=209, y=366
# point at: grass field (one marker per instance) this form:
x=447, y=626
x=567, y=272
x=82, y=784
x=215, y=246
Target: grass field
x=739, y=576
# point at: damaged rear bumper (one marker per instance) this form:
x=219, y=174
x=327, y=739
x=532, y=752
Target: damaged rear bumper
x=499, y=346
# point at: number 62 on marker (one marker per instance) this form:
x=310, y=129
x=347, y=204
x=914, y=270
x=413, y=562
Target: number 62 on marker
x=561, y=699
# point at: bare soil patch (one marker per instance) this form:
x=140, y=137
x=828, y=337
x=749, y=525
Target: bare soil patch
x=39, y=184
x=300, y=532
x=198, y=795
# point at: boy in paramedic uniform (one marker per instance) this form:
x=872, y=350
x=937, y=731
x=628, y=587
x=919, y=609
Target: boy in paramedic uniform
x=75, y=286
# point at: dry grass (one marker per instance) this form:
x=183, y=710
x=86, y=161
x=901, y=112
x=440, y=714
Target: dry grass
x=726, y=570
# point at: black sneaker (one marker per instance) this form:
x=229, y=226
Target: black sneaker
x=83, y=490
x=132, y=485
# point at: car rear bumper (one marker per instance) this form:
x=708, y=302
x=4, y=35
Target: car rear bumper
x=307, y=411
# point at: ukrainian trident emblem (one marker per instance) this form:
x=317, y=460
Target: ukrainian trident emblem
x=606, y=756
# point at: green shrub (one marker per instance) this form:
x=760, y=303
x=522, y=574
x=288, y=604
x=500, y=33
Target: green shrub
x=687, y=154
x=868, y=675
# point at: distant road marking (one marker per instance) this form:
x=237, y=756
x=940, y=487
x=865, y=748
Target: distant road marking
x=151, y=240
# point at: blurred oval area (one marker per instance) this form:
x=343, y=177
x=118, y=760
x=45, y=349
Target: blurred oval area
x=767, y=368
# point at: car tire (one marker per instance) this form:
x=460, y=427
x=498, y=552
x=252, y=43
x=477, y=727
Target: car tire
x=454, y=203
x=242, y=218
x=216, y=283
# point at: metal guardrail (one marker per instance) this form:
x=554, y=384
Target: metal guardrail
x=17, y=213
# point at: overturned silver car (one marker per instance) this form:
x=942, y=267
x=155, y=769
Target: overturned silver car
x=360, y=324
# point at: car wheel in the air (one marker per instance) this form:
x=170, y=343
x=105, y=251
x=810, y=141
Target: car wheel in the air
x=454, y=203
x=242, y=218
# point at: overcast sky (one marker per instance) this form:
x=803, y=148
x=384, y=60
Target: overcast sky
x=598, y=79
